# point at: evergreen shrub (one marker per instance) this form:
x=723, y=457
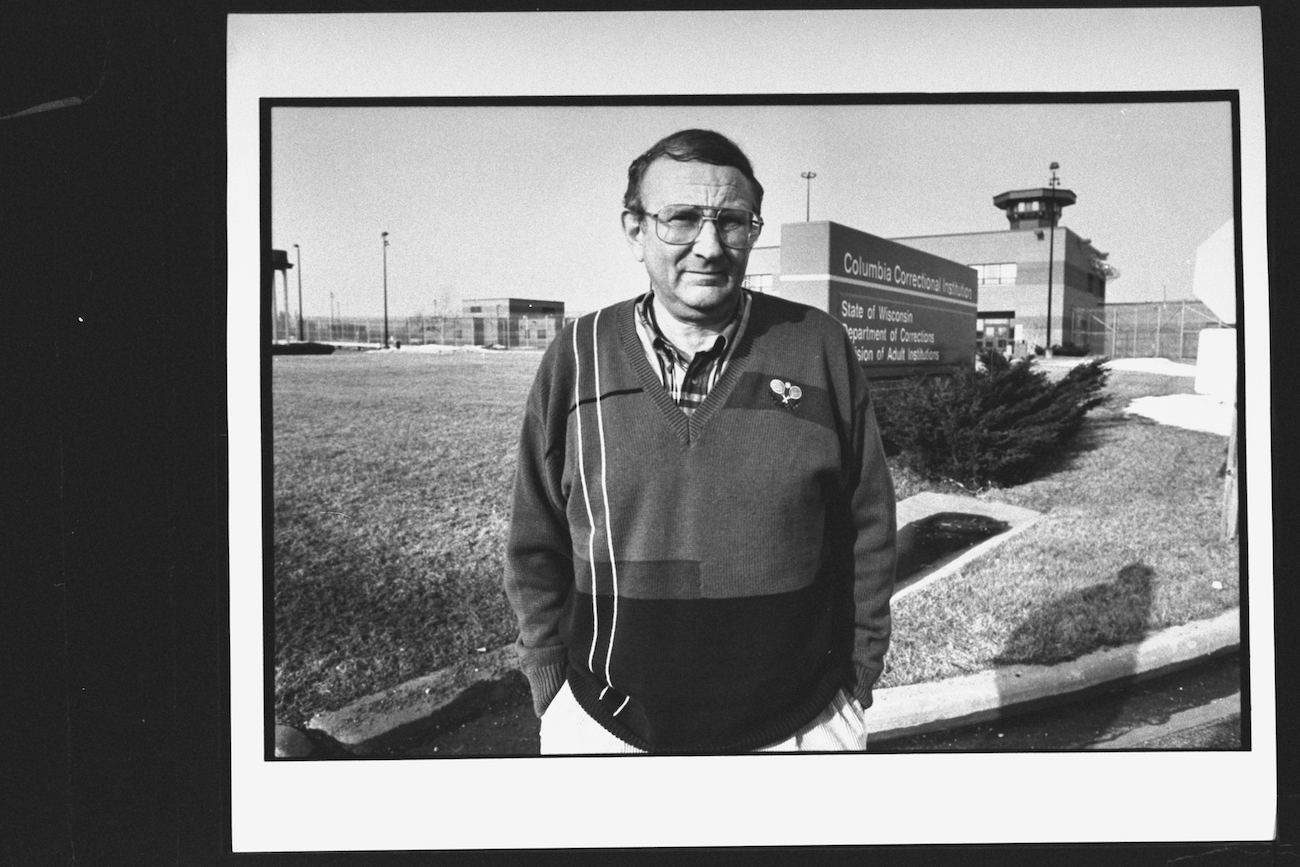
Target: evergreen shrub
x=992, y=427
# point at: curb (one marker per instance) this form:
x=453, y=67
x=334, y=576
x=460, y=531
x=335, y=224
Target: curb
x=378, y=722
x=914, y=709
x=373, y=724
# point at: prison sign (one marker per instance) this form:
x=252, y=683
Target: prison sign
x=905, y=311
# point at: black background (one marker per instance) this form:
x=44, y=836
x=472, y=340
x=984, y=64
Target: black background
x=113, y=565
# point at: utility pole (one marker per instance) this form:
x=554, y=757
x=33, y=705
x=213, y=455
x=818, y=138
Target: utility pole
x=285, y=276
x=1051, y=244
x=384, y=237
x=331, y=315
x=807, y=213
x=298, y=252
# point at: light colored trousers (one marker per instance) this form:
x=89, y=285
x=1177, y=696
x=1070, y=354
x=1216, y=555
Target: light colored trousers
x=567, y=729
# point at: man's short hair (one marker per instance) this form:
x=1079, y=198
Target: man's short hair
x=691, y=145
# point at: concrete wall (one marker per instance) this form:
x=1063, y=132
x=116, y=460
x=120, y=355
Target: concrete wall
x=1214, y=280
x=1216, y=363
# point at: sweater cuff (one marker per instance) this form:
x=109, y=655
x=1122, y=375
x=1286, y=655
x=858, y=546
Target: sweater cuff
x=866, y=678
x=545, y=682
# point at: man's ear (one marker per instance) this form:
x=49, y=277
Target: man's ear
x=634, y=233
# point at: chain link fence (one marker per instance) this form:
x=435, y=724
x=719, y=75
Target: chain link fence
x=508, y=332
x=1145, y=330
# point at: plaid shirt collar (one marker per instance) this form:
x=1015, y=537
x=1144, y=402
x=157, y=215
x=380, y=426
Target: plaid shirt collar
x=689, y=380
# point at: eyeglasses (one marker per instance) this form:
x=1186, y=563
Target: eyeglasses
x=681, y=224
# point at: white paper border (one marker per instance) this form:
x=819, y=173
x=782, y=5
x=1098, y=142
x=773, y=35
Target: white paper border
x=736, y=800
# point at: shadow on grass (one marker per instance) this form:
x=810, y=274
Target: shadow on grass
x=1097, y=429
x=1114, y=614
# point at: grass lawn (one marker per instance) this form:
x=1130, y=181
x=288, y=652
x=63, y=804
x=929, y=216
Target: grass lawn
x=392, y=489
x=392, y=495
x=1129, y=544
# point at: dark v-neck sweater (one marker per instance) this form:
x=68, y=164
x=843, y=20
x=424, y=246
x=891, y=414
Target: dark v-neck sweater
x=706, y=583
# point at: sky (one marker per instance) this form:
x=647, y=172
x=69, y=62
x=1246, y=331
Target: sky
x=524, y=201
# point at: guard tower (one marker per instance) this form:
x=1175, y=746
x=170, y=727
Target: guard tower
x=1035, y=280
x=1039, y=208
x=280, y=265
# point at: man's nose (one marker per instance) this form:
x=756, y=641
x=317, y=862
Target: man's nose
x=709, y=243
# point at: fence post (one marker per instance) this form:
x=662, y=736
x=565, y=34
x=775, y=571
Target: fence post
x=1228, y=527
x=1182, y=319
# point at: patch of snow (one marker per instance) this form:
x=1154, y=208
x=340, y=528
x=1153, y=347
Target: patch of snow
x=1201, y=412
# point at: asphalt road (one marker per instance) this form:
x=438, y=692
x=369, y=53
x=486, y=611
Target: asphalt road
x=1196, y=709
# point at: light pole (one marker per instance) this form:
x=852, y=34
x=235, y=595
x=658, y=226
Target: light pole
x=384, y=236
x=331, y=316
x=284, y=275
x=1051, y=250
x=298, y=252
x=808, y=176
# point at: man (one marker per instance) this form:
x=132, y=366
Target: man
x=701, y=549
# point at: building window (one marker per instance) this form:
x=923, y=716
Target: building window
x=758, y=282
x=476, y=310
x=996, y=273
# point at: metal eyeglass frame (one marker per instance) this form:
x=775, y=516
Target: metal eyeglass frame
x=755, y=223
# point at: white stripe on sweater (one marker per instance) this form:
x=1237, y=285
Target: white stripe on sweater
x=586, y=497
x=604, y=484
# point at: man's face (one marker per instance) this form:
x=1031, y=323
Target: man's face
x=699, y=281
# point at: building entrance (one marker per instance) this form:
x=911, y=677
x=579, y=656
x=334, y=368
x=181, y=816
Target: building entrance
x=994, y=330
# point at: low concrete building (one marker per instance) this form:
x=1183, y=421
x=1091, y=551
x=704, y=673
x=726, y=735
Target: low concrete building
x=511, y=307
x=513, y=322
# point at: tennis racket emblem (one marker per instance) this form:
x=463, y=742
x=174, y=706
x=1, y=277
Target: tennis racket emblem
x=786, y=394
